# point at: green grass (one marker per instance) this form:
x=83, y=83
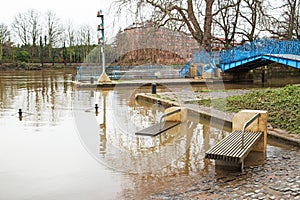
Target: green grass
x=281, y=103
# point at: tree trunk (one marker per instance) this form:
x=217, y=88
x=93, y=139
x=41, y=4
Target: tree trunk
x=206, y=42
x=1, y=52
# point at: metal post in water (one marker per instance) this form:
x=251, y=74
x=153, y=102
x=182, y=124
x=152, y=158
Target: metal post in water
x=96, y=108
x=153, y=88
x=158, y=102
x=20, y=114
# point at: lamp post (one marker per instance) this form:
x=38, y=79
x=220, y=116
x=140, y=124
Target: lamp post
x=103, y=77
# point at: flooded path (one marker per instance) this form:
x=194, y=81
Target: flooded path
x=63, y=149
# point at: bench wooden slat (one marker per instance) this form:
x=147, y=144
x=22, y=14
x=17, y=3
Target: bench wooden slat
x=218, y=150
x=228, y=155
x=256, y=137
x=158, y=128
x=247, y=141
x=230, y=148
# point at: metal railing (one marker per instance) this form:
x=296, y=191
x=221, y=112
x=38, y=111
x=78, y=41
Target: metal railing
x=167, y=114
x=246, y=125
x=130, y=72
x=259, y=48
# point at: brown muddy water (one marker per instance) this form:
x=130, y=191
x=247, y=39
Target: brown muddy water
x=62, y=149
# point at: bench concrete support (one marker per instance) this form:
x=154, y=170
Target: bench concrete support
x=249, y=133
x=258, y=125
x=176, y=117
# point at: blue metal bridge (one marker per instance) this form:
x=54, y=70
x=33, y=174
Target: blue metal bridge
x=252, y=55
x=259, y=53
x=238, y=59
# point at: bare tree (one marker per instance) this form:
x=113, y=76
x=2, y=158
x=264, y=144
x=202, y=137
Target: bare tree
x=253, y=15
x=53, y=28
x=285, y=24
x=84, y=39
x=297, y=26
x=53, y=31
x=20, y=26
x=291, y=17
x=27, y=26
x=225, y=20
x=70, y=39
x=4, y=37
x=34, y=29
x=179, y=15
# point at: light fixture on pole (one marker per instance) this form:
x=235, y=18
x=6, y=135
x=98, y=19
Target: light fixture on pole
x=103, y=77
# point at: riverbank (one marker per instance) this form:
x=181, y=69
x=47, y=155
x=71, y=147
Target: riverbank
x=222, y=105
x=35, y=66
x=277, y=177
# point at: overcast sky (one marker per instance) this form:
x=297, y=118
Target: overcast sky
x=79, y=12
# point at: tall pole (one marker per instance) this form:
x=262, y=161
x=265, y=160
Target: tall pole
x=103, y=77
x=103, y=59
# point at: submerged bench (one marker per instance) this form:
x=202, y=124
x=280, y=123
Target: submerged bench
x=249, y=134
x=173, y=116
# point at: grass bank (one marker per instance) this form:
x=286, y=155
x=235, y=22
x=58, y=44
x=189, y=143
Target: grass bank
x=281, y=103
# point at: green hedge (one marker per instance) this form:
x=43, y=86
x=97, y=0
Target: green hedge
x=281, y=103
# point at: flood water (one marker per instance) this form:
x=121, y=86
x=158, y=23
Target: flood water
x=62, y=149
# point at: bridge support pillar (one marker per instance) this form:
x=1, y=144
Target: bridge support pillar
x=239, y=76
x=264, y=74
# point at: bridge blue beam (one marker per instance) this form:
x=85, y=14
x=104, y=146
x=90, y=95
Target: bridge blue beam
x=261, y=52
x=292, y=62
x=226, y=66
x=289, y=61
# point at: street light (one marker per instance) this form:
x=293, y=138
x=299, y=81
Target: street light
x=103, y=77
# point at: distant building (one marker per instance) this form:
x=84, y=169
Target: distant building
x=144, y=41
x=217, y=44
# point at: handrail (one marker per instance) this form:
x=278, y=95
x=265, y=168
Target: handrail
x=167, y=114
x=246, y=125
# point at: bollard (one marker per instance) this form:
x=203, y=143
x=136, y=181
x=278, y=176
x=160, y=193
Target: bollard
x=92, y=80
x=96, y=108
x=20, y=112
x=158, y=102
x=153, y=88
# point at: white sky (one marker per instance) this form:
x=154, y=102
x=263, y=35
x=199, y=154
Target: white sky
x=79, y=12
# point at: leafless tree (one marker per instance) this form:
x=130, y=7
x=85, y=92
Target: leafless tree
x=20, y=26
x=84, y=35
x=70, y=39
x=53, y=32
x=192, y=16
x=253, y=16
x=53, y=28
x=27, y=27
x=226, y=20
x=284, y=23
x=4, y=37
x=35, y=25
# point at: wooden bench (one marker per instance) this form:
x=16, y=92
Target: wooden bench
x=173, y=116
x=233, y=149
x=230, y=148
x=157, y=129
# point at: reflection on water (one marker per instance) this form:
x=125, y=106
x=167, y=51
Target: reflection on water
x=43, y=97
x=179, y=150
x=42, y=155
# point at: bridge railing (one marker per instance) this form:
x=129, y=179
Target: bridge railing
x=258, y=48
x=85, y=73
x=210, y=58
